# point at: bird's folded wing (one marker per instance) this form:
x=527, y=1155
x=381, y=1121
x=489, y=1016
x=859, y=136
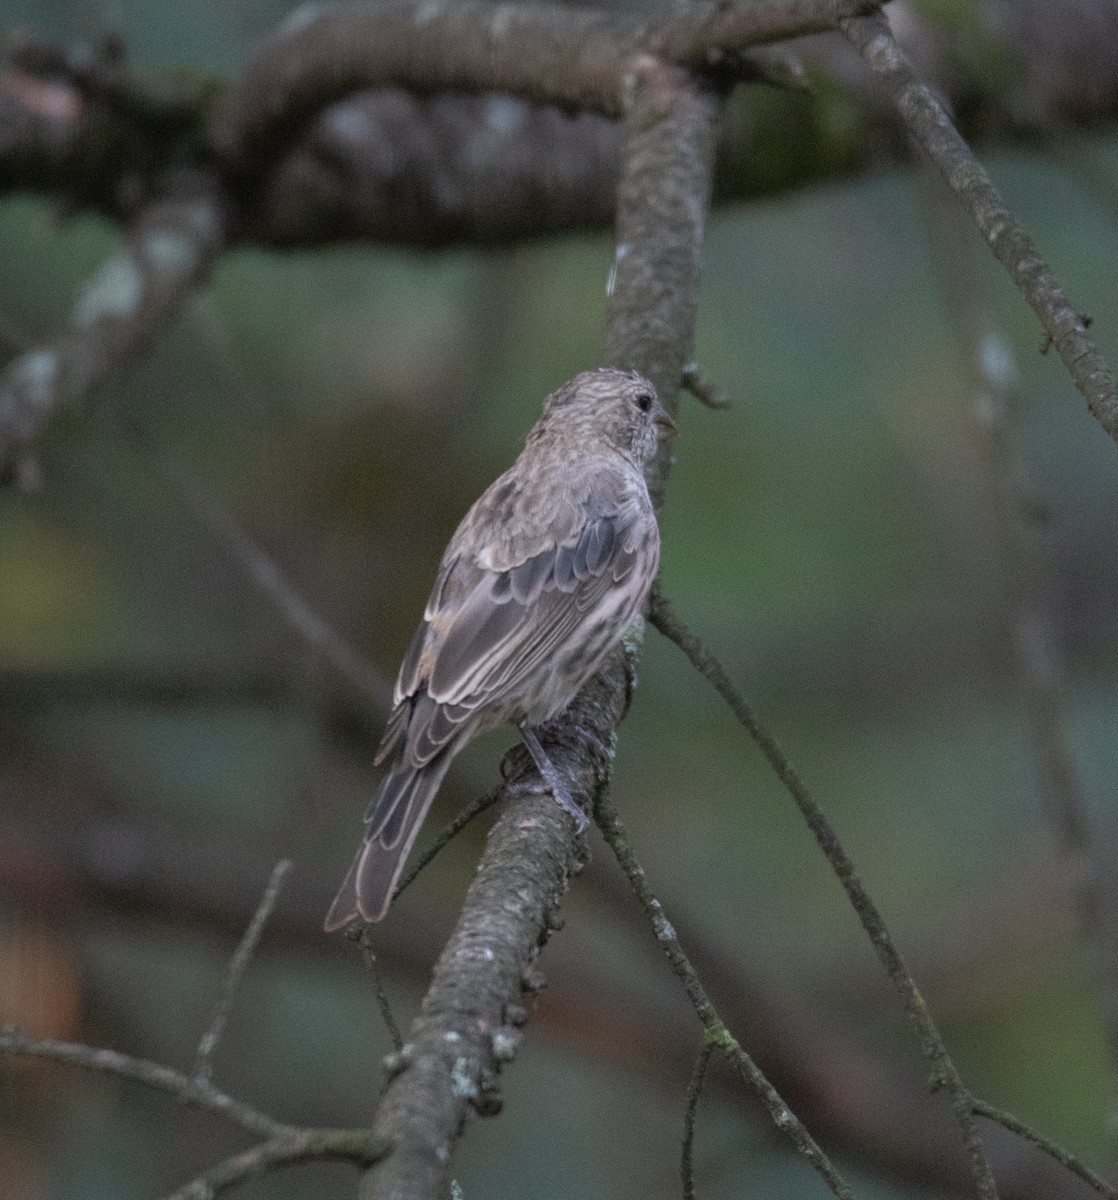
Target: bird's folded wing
x=486, y=633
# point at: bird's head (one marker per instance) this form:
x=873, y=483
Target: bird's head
x=620, y=408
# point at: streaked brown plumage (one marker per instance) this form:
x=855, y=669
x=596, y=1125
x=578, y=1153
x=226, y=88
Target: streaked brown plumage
x=539, y=582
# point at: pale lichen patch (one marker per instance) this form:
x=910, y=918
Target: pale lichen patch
x=33, y=376
x=170, y=252
x=115, y=291
x=462, y=1081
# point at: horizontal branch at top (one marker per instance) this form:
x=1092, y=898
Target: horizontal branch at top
x=546, y=53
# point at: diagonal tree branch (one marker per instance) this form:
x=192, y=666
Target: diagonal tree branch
x=265, y=574
x=305, y=1145
x=1046, y=1146
x=467, y=1027
x=715, y=1028
x=131, y=300
x=238, y=965
x=1028, y=578
x=198, y=1093
x=694, y=1094
x=929, y=123
x=944, y=1072
x=945, y=1075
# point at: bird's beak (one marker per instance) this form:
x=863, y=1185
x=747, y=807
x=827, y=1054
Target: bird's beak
x=664, y=420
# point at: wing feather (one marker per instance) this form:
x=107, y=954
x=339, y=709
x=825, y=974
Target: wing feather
x=497, y=640
x=486, y=632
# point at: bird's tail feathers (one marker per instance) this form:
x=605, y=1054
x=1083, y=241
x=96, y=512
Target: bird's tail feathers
x=395, y=815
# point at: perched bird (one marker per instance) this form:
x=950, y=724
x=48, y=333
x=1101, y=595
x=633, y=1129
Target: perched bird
x=540, y=581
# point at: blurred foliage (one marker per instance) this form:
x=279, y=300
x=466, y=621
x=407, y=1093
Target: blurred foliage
x=828, y=535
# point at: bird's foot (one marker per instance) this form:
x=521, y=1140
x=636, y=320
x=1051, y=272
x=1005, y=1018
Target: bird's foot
x=554, y=784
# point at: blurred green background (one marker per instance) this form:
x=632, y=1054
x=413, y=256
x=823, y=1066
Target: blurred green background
x=830, y=536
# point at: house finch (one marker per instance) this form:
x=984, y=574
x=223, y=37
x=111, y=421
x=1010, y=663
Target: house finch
x=540, y=581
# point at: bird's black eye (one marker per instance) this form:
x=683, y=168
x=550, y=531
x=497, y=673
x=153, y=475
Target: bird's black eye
x=644, y=402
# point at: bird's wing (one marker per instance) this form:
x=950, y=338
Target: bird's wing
x=485, y=632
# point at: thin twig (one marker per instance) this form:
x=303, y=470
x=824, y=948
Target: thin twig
x=703, y=389
x=716, y=1030
x=1028, y=581
x=694, y=1091
x=368, y=953
x=263, y=571
x=929, y=123
x=1010, y=1122
x=198, y=1093
x=447, y=834
x=362, y=934
x=944, y=1072
x=347, y=1145
x=238, y=964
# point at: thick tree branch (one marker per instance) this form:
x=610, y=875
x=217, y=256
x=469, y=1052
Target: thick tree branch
x=662, y=203
x=466, y=1027
x=546, y=53
x=433, y=171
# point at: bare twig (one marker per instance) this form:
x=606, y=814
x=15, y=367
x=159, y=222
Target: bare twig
x=1028, y=583
x=305, y=1145
x=447, y=834
x=128, y=303
x=286, y=1144
x=929, y=123
x=703, y=389
x=191, y=878
x=265, y=573
x=716, y=1031
x=944, y=1072
x=238, y=964
x=363, y=934
x=694, y=1092
x=368, y=953
x=195, y=1092
x=1058, y=1153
